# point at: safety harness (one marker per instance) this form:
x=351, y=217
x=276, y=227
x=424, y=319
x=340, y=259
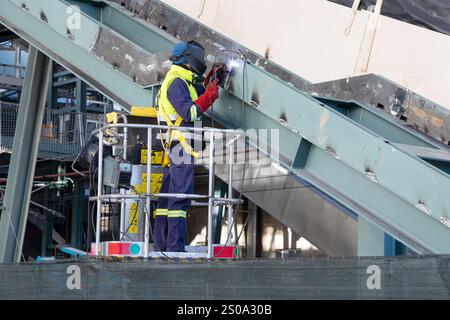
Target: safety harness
x=164, y=106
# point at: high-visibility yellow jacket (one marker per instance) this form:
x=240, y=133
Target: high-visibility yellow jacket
x=182, y=116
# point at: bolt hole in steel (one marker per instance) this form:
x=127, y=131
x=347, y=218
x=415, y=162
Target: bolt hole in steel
x=69, y=34
x=283, y=119
x=116, y=50
x=371, y=175
x=255, y=100
x=445, y=221
x=254, y=104
x=332, y=151
x=44, y=17
x=267, y=53
x=423, y=207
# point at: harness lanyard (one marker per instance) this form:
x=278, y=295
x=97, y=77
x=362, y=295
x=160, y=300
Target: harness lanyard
x=179, y=135
x=166, y=144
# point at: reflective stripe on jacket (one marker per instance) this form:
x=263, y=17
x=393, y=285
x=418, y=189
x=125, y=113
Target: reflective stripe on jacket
x=186, y=107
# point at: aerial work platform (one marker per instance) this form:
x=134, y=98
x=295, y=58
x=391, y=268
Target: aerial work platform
x=144, y=191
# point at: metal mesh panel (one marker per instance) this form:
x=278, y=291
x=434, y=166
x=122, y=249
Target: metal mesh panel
x=8, y=119
x=425, y=277
x=63, y=133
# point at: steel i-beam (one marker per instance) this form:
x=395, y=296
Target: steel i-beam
x=23, y=160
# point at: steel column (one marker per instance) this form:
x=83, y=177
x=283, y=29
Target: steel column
x=78, y=207
x=80, y=97
x=52, y=98
x=70, y=47
x=23, y=160
x=231, y=215
x=149, y=193
x=211, y=196
x=218, y=212
x=370, y=239
x=393, y=247
x=252, y=229
x=18, y=61
x=99, y=193
x=47, y=226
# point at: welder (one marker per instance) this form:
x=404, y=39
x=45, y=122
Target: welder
x=182, y=99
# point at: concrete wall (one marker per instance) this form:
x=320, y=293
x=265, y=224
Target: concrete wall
x=308, y=37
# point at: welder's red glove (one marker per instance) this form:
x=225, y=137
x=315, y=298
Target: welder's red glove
x=212, y=72
x=205, y=101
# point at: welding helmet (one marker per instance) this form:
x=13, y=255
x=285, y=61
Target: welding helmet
x=191, y=53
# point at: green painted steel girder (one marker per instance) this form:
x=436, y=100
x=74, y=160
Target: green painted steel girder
x=67, y=36
x=342, y=152
x=423, y=186
x=23, y=160
x=354, y=190
x=154, y=41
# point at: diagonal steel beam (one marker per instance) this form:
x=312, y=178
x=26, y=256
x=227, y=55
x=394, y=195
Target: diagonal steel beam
x=67, y=36
x=23, y=160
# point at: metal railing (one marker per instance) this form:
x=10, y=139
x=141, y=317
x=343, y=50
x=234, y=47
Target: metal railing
x=63, y=133
x=148, y=196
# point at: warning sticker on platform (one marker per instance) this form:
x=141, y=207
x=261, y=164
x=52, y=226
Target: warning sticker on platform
x=134, y=218
x=156, y=183
x=156, y=157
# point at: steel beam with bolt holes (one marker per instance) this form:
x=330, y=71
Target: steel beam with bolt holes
x=352, y=154
x=66, y=35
